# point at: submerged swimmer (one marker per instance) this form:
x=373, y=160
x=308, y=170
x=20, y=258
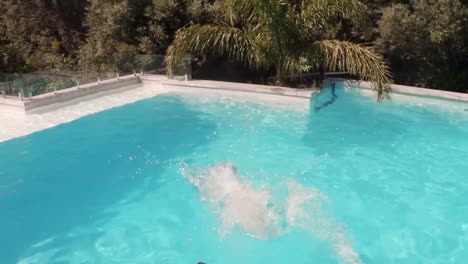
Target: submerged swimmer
x=240, y=204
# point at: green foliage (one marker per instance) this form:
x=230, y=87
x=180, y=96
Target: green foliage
x=107, y=47
x=426, y=42
x=119, y=30
x=35, y=34
x=345, y=55
x=49, y=84
x=165, y=17
x=287, y=36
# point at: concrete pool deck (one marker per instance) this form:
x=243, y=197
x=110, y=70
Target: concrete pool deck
x=408, y=90
x=15, y=122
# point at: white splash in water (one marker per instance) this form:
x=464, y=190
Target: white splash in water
x=240, y=204
x=304, y=210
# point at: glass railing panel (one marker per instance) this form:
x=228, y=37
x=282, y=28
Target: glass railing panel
x=49, y=81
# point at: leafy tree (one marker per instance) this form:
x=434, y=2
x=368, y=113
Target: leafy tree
x=426, y=42
x=36, y=34
x=119, y=30
x=289, y=36
x=165, y=17
x=108, y=47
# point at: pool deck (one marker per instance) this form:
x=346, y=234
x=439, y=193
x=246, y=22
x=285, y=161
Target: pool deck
x=240, y=87
x=16, y=122
x=20, y=118
x=408, y=90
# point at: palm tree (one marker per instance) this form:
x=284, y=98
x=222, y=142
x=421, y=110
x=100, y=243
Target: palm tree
x=286, y=35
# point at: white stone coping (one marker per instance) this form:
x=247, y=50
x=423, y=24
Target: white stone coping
x=11, y=101
x=15, y=122
x=87, y=89
x=408, y=90
x=241, y=87
x=306, y=93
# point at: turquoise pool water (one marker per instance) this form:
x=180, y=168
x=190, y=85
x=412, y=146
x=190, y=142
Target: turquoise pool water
x=184, y=178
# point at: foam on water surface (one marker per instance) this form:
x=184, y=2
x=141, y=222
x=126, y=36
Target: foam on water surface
x=261, y=215
x=17, y=123
x=355, y=182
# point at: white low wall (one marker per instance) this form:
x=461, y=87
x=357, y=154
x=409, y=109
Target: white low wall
x=72, y=93
x=130, y=81
x=232, y=86
x=306, y=93
x=407, y=90
x=70, y=104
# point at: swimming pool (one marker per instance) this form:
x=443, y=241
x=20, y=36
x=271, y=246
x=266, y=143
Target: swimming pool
x=183, y=178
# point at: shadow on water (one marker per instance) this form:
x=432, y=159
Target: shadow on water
x=340, y=121
x=62, y=178
x=319, y=103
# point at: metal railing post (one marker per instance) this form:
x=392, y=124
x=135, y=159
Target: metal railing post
x=188, y=69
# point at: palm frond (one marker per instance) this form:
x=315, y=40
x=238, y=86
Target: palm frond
x=238, y=12
x=318, y=14
x=358, y=60
x=288, y=67
x=273, y=15
x=221, y=40
x=276, y=34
